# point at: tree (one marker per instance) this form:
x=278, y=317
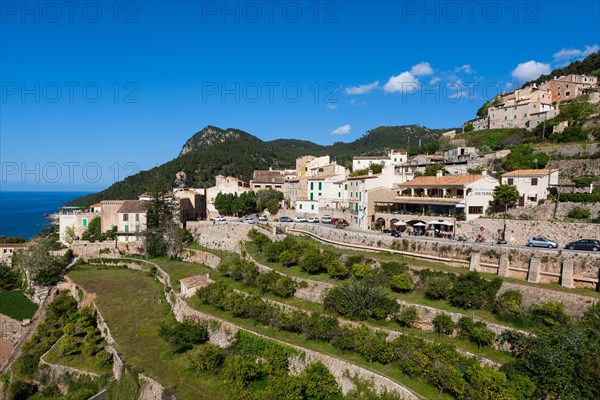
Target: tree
x=69, y=234
x=243, y=204
x=471, y=291
x=40, y=264
x=268, y=199
x=550, y=313
x=223, y=202
x=508, y=304
x=206, y=357
x=443, y=324
x=401, y=283
x=506, y=195
x=9, y=277
x=438, y=287
x=175, y=239
x=523, y=157
x=468, y=127
x=319, y=383
x=160, y=206
x=408, y=316
x=93, y=231
x=361, y=299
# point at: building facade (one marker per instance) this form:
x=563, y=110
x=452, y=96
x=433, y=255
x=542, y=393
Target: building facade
x=533, y=184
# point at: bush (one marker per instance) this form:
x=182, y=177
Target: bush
x=206, y=357
x=89, y=349
x=579, y=213
x=21, y=390
x=311, y=261
x=50, y=390
x=319, y=383
x=401, y=283
x=476, y=332
x=550, y=313
x=439, y=287
x=104, y=357
x=408, y=316
x=182, y=336
x=360, y=299
x=471, y=291
x=240, y=371
x=508, y=304
x=443, y=324
x=337, y=270
x=580, y=197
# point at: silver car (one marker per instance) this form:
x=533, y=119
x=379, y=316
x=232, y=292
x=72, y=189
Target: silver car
x=540, y=241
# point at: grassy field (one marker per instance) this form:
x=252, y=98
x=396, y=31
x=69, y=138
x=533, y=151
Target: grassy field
x=77, y=360
x=133, y=306
x=15, y=305
x=178, y=270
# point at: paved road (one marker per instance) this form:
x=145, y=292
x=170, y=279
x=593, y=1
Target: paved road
x=485, y=245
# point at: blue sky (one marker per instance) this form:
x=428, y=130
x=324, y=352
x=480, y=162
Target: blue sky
x=93, y=92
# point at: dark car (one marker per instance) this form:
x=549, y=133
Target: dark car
x=340, y=223
x=584, y=244
x=285, y=219
x=396, y=233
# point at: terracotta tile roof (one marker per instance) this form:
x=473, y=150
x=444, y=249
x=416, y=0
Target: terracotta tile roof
x=451, y=180
x=133, y=206
x=196, y=281
x=370, y=158
x=262, y=176
x=321, y=177
x=353, y=178
x=530, y=172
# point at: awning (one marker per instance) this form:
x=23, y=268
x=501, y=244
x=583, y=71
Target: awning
x=460, y=205
x=446, y=223
x=418, y=224
x=532, y=194
x=399, y=223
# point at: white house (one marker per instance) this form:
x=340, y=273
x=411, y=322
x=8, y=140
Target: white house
x=533, y=184
x=392, y=158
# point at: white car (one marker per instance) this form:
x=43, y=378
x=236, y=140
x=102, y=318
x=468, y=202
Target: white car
x=249, y=220
x=263, y=218
x=326, y=219
x=219, y=218
x=299, y=219
x=313, y=220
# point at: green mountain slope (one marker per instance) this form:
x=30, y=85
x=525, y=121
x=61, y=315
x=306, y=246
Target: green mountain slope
x=214, y=151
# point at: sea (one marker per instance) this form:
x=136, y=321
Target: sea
x=25, y=214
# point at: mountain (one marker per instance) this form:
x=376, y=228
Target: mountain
x=213, y=151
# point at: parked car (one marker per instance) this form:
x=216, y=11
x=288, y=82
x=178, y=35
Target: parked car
x=340, y=223
x=299, y=219
x=263, y=218
x=285, y=219
x=313, y=220
x=249, y=220
x=584, y=244
x=219, y=218
x=540, y=241
x=326, y=219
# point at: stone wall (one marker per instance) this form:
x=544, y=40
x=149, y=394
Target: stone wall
x=569, y=150
x=10, y=329
x=576, y=168
x=202, y=257
x=220, y=235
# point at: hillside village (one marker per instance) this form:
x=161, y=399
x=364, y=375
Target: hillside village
x=423, y=194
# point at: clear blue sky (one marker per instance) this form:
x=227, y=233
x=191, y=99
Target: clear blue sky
x=96, y=86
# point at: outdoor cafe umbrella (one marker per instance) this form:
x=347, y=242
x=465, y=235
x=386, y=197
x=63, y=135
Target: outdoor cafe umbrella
x=399, y=223
x=418, y=224
x=446, y=223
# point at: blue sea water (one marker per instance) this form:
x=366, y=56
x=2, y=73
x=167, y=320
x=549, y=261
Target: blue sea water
x=24, y=213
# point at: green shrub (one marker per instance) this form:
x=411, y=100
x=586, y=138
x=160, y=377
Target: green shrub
x=206, y=357
x=550, y=313
x=104, y=357
x=363, y=271
x=471, y=291
x=337, y=270
x=593, y=197
x=401, y=283
x=50, y=390
x=89, y=349
x=443, y=324
x=360, y=299
x=439, y=287
x=21, y=390
x=182, y=336
x=319, y=383
x=476, y=332
x=579, y=213
x=311, y=261
x=508, y=304
x=408, y=316
x=239, y=371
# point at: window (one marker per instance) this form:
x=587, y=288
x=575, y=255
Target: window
x=301, y=206
x=525, y=115
x=515, y=116
x=475, y=210
x=339, y=194
x=345, y=186
x=311, y=196
x=511, y=181
x=534, y=181
x=125, y=217
x=312, y=206
x=567, y=93
x=137, y=217
x=126, y=228
x=320, y=187
x=84, y=222
x=312, y=185
x=505, y=118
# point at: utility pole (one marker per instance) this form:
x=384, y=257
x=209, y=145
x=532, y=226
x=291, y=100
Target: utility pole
x=556, y=202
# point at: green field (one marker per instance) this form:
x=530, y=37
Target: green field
x=178, y=270
x=15, y=305
x=133, y=305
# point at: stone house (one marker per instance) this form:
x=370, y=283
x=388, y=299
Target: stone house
x=271, y=179
x=569, y=87
x=225, y=185
x=132, y=220
x=533, y=184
